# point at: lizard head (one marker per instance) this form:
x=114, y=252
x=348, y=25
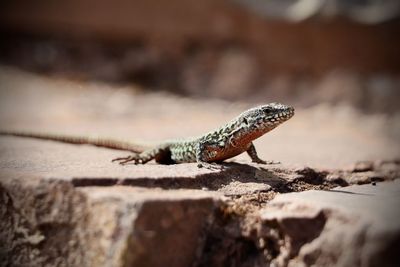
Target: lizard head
x=266, y=117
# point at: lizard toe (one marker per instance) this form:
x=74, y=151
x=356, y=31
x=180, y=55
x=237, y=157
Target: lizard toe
x=210, y=166
x=272, y=162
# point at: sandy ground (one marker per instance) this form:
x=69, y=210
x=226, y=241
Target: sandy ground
x=320, y=136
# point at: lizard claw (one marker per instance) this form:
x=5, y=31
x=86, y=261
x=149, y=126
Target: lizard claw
x=124, y=160
x=269, y=162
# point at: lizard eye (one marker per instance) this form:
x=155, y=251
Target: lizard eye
x=267, y=110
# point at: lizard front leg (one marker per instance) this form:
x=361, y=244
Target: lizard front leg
x=252, y=152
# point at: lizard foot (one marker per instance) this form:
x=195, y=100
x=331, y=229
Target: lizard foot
x=210, y=166
x=259, y=161
x=124, y=160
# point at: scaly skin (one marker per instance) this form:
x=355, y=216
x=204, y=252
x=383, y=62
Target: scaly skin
x=226, y=142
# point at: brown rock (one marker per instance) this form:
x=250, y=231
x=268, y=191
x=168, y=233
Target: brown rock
x=353, y=226
x=49, y=222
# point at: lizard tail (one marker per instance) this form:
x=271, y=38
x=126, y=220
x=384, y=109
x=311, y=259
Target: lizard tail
x=80, y=140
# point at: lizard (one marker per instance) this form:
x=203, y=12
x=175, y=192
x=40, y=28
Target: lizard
x=227, y=141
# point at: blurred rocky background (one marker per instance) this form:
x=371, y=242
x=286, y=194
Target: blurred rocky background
x=301, y=52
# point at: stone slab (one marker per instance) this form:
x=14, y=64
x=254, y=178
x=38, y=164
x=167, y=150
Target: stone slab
x=351, y=226
x=53, y=223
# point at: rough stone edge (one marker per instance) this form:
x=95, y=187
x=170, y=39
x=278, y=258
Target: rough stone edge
x=53, y=223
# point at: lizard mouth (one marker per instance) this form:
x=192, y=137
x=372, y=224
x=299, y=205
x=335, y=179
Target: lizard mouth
x=281, y=116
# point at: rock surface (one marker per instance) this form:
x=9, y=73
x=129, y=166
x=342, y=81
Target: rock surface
x=68, y=205
x=322, y=136
x=59, y=209
x=49, y=222
x=352, y=226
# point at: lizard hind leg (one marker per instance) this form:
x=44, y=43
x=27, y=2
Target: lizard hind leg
x=203, y=157
x=164, y=157
x=158, y=153
x=123, y=160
